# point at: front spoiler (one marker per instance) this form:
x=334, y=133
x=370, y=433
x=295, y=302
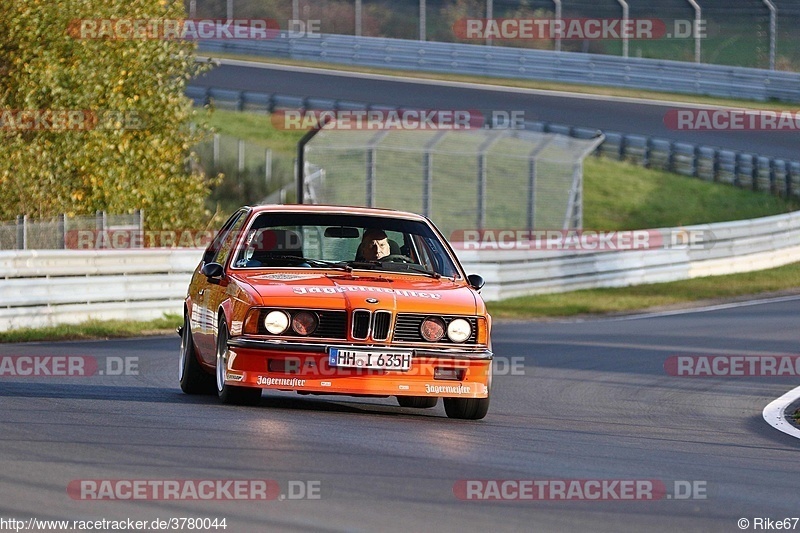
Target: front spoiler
x=309, y=371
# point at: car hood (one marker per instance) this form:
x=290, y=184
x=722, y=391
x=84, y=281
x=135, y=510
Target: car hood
x=399, y=293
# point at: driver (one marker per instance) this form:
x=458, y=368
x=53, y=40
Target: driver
x=374, y=245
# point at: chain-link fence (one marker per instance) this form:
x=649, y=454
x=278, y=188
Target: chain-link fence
x=251, y=170
x=748, y=33
x=64, y=232
x=481, y=178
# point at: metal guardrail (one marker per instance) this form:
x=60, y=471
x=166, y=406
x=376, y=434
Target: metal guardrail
x=521, y=63
x=739, y=246
x=746, y=170
x=48, y=287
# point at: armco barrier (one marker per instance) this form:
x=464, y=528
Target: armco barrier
x=48, y=287
x=521, y=63
x=739, y=246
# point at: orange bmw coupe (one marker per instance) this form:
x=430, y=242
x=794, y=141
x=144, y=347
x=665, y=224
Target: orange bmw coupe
x=336, y=300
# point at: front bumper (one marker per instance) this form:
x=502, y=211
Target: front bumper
x=305, y=368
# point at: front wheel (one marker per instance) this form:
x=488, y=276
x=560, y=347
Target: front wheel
x=192, y=377
x=466, y=408
x=417, y=402
x=228, y=393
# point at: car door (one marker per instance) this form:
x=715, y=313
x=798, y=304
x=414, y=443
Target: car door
x=208, y=296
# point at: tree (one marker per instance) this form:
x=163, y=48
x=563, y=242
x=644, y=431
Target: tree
x=111, y=124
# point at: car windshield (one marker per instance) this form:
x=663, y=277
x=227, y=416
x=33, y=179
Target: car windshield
x=346, y=242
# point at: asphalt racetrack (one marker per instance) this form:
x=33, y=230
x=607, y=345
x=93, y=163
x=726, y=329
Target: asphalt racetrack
x=604, y=113
x=588, y=401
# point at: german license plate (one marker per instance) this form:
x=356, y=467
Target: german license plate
x=369, y=359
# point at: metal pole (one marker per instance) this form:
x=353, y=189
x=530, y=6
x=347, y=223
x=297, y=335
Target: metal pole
x=423, y=8
x=489, y=15
x=427, y=173
x=193, y=9
x=230, y=9
x=773, y=27
x=698, y=19
x=62, y=228
x=358, y=18
x=216, y=151
x=625, y=35
x=240, y=166
x=21, y=219
x=558, y=18
x=296, y=13
x=268, y=165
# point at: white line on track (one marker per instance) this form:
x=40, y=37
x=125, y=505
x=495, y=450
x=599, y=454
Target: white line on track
x=775, y=413
x=459, y=84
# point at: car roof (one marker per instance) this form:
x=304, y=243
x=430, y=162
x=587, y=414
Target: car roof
x=337, y=210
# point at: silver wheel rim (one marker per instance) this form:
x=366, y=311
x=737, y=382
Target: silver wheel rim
x=184, y=344
x=222, y=361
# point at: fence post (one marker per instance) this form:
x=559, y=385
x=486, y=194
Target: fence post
x=358, y=18
x=216, y=151
x=773, y=27
x=788, y=175
x=100, y=226
x=240, y=158
x=625, y=33
x=21, y=232
x=423, y=20
x=531, y=193
x=371, y=165
x=62, y=231
x=489, y=15
x=698, y=18
x=493, y=136
x=268, y=166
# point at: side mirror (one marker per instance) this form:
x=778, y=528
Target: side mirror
x=475, y=281
x=212, y=270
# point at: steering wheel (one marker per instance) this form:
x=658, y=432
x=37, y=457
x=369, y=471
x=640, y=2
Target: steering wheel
x=397, y=258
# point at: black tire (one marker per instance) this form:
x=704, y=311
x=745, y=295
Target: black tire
x=417, y=402
x=228, y=393
x=192, y=377
x=466, y=408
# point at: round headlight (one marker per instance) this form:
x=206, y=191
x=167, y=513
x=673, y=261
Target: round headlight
x=432, y=329
x=276, y=322
x=459, y=330
x=304, y=323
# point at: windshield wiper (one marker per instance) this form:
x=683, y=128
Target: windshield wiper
x=415, y=268
x=320, y=263
x=392, y=266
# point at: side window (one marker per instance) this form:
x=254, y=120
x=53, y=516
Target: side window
x=216, y=244
x=229, y=240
